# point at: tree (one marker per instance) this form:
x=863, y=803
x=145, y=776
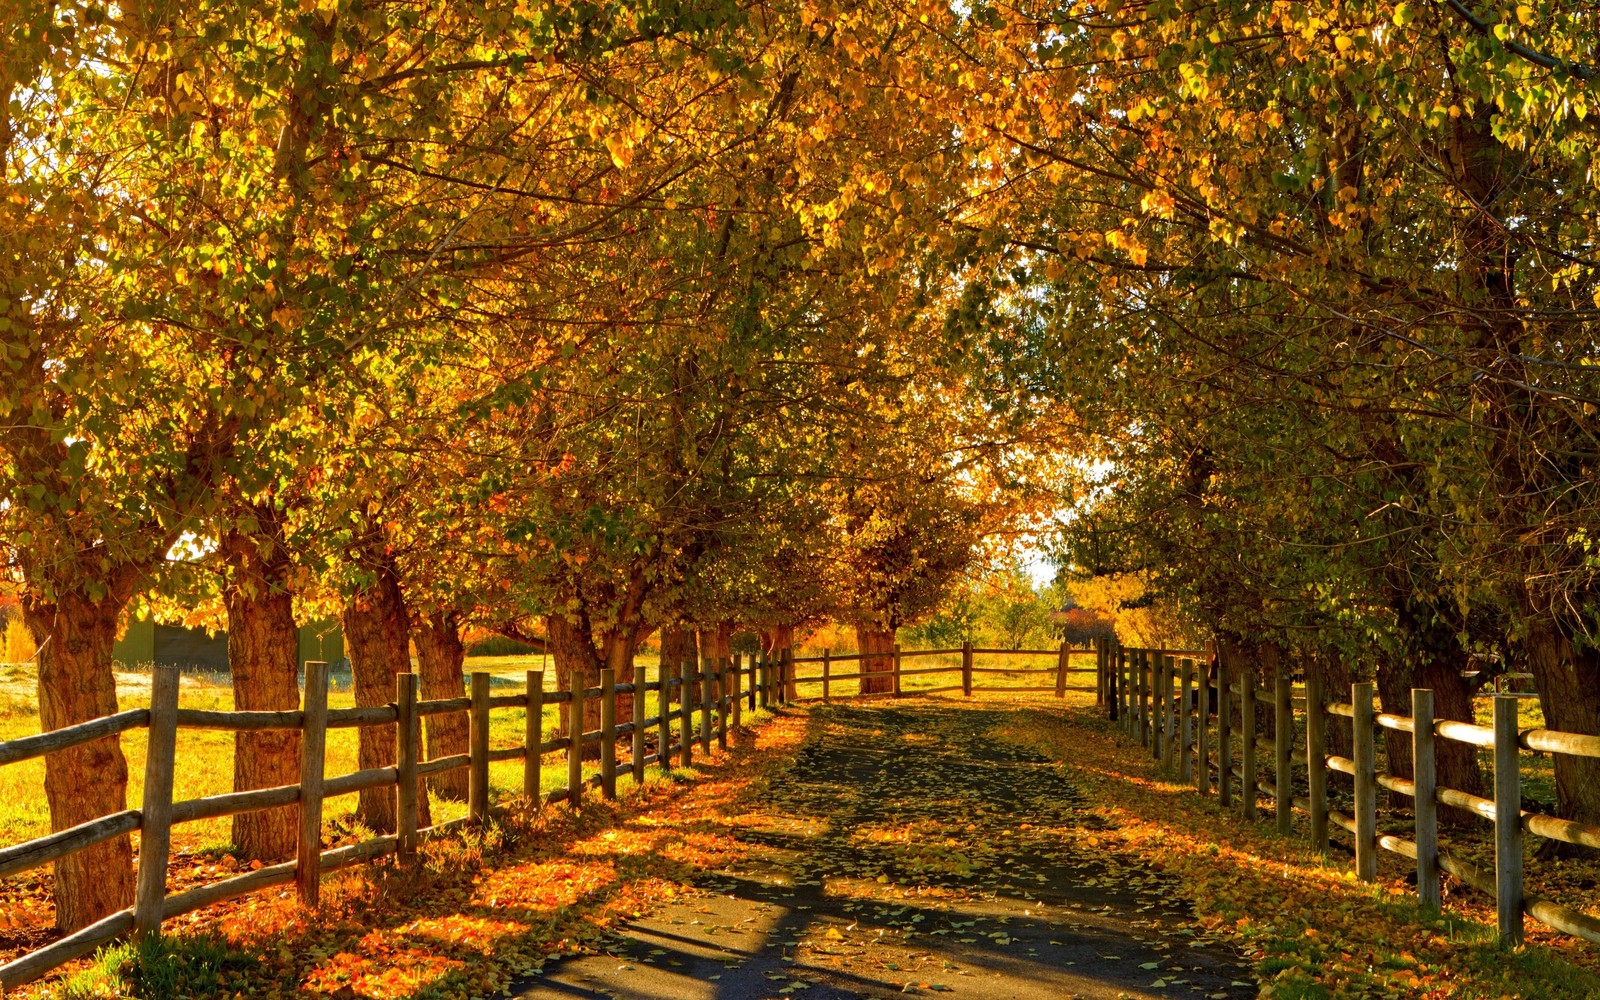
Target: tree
x=1013, y=610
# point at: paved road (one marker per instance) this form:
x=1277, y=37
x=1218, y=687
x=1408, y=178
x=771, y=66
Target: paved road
x=906, y=853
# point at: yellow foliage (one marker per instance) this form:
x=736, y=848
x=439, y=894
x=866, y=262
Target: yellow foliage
x=19, y=646
x=1156, y=624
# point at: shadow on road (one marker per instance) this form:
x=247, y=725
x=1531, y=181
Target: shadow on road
x=907, y=852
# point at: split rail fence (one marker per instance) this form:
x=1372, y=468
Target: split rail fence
x=968, y=671
x=715, y=693
x=1165, y=700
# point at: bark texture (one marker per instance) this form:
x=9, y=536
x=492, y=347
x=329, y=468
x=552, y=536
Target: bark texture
x=376, y=635
x=75, y=634
x=1241, y=657
x=572, y=650
x=1456, y=763
x=1567, y=678
x=678, y=646
x=1336, y=680
x=263, y=659
x=441, y=659
x=876, y=646
x=1525, y=477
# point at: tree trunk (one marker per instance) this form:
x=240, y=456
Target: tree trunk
x=724, y=644
x=572, y=649
x=678, y=646
x=1567, y=679
x=780, y=638
x=708, y=645
x=264, y=661
x=1336, y=680
x=1270, y=658
x=1240, y=657
x=76, y=684
x=876, y=646
x=619, y=650
x=1524, y=423
x=1456, y=763
x=376, y=635
x=441, y=660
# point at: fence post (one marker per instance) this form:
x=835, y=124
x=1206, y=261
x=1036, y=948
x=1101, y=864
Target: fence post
x=1202, y=734
x=1130, y=658
x=1108, y=658
x=407, y=730
x=721, y=686
x=1186, y=713
x=663, y=720
x=1158, y=706
x=1366, y=783
x=1143, y=657
x=738, y=690
x=1248, y=791
x=608, y=733
x=1507, y=820
x=827, y=670
x=1124, y=691
x=1224, y=733
x=1283, y=744
x=1164, y=711
x=1153, y=706
x=791, y=688
x=155, y=811
x=686, y=713
x=897, y=670
x=966, y=668
x=708, y=666
x=575, y=739
x=1135, y=716
x=532, y=739
x=1425, y=774
x=636, y=744
x=1061, y=671
x=313, y=751
x=1317, y=761
x=1099, y=671
x=1169, y=702
x=478, y=750
x=763, y=678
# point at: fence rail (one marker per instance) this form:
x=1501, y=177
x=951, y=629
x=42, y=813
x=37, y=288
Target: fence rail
x=1167, y=704
x=889, y=681
x=712, y=698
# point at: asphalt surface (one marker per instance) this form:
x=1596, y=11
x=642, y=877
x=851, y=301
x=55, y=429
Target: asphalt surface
x=906, y=853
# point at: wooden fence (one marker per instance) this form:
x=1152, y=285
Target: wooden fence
x=714, y=692
x=1163, y=700
x=967, y=670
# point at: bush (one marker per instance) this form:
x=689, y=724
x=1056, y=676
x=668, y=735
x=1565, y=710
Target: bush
x=19, y=646
x=499, y=645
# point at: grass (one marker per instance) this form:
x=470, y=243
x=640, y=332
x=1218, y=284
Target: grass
x=161, y=968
